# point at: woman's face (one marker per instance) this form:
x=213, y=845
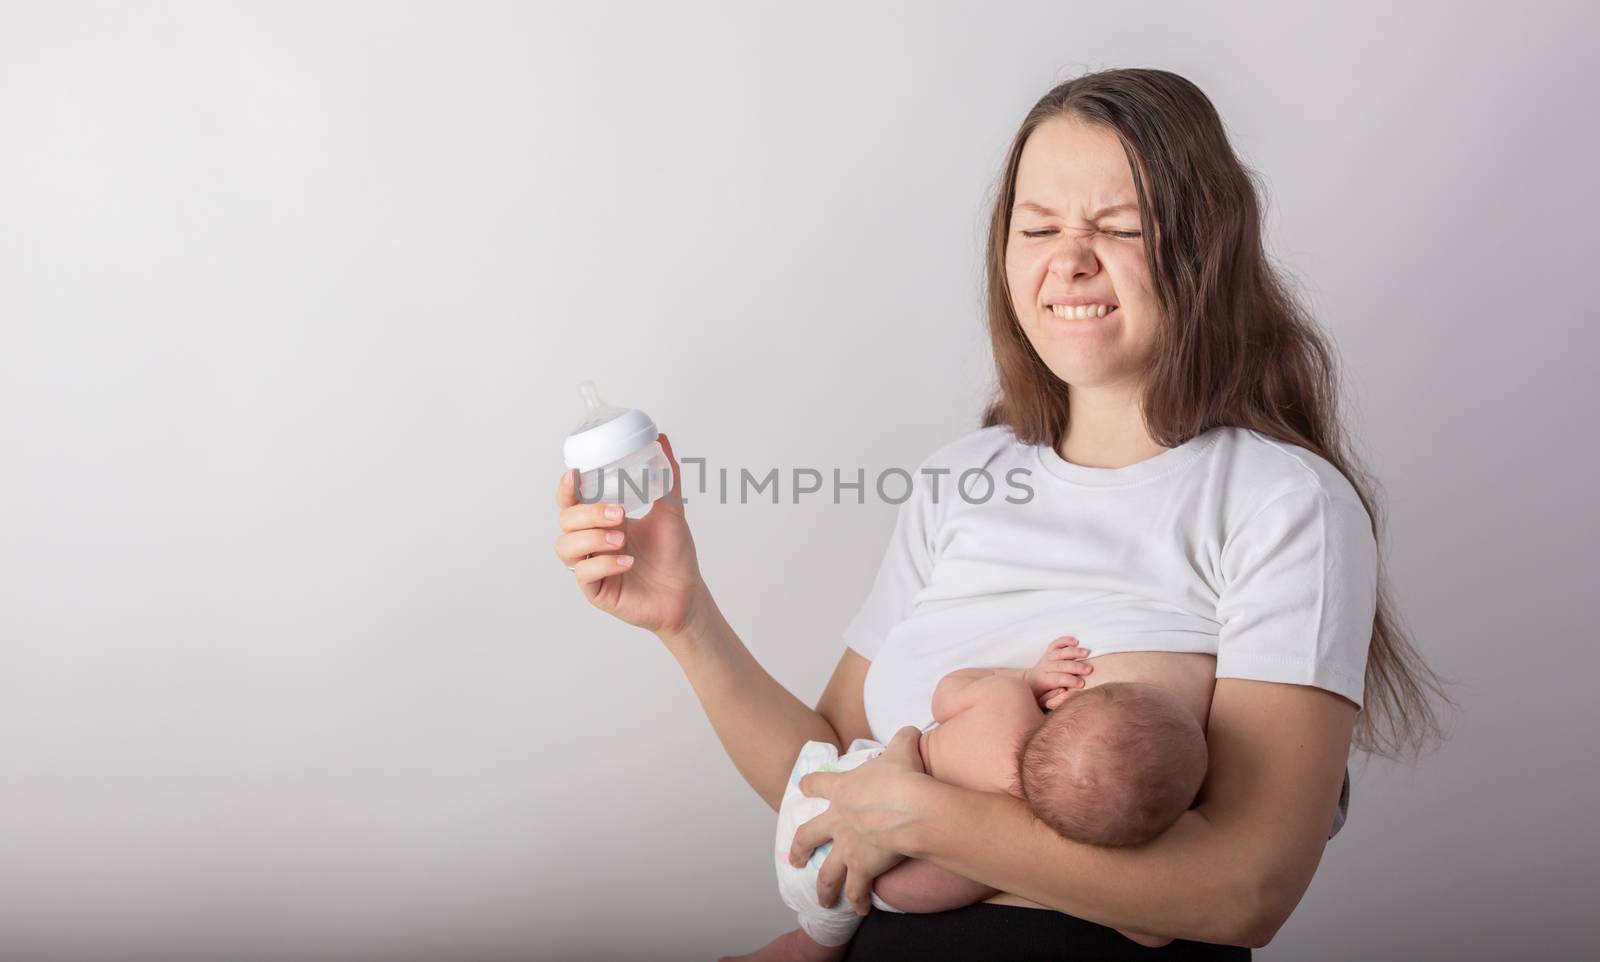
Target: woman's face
x=1064, y=242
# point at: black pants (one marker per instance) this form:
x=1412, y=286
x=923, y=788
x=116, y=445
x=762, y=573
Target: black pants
x=985, y=931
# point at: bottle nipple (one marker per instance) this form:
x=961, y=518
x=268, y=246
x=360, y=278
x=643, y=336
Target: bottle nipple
x=617, y=455
x=596, y=411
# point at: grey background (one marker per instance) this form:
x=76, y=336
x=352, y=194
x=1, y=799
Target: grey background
x=293, y=305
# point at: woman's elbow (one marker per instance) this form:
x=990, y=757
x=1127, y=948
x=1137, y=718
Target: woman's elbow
x=1245, y=923
x=1263, y=907
x=1261, y=928
x=1257, y=931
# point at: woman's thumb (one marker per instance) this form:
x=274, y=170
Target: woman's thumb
x=907, y=738
x=673, y=499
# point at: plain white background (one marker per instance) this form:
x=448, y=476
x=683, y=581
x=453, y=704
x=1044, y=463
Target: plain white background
x=294, y=300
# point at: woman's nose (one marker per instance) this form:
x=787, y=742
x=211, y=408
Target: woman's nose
x=1072, y=257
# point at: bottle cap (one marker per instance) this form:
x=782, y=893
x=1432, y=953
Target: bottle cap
x=607, y=433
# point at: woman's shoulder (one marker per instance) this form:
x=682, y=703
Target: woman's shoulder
x=1268, y=467
x=979, y=448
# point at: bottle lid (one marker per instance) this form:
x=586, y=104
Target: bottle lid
x=607, y=433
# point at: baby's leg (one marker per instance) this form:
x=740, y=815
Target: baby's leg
x=1148, y=941
x=916, y=885
x=794, y=946
x=919, y=886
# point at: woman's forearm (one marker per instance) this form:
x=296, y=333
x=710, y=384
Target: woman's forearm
x=761, y=724
x=1232, y=870
x=1178, y=885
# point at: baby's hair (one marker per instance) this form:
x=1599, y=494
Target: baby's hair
x=1116, y=764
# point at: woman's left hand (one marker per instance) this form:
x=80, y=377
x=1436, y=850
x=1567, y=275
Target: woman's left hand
x=867, y=807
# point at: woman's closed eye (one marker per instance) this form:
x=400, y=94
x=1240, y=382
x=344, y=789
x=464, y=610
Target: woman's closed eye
x=1121, y=234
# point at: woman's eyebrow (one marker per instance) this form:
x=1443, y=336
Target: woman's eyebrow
x=1047, y=212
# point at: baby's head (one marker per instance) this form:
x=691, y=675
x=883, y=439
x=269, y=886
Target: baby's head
x=1116, y=764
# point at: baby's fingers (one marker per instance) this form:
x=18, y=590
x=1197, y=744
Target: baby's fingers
x=1054, y=697
x=1060, y=679
x=1065, y=649
x=1050, y=670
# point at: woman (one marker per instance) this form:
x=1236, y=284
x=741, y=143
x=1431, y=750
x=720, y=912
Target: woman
x=1120, y=189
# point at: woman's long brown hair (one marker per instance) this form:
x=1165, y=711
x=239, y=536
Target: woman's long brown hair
x=1236, y=348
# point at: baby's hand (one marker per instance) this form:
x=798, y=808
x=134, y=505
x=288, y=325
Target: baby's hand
x=1060, y=669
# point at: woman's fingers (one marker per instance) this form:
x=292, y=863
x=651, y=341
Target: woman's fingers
x=574, y=546
x=601, y=567
x=809, y=835
x=858, y=891
x=591, y=535
x=830, y=878
x=907, y=744
x=567, y=489
x=1054, y=697
x=817, y=784
x=836, y=875
x=594, y=514
x=577, y=514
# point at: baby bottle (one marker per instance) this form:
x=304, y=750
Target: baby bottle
x=617, y=456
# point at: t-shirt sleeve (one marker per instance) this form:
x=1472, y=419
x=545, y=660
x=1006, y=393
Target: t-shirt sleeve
x=1300, y=593
x=905, y=569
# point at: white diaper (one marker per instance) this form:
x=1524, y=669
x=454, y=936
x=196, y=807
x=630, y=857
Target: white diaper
x=798, y=886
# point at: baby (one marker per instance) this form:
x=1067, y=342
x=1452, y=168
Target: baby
x=1115, y=763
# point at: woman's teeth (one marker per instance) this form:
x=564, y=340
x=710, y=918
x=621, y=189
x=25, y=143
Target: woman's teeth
x=1083, y=311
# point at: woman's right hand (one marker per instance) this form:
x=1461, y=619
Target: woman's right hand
x=651, y=577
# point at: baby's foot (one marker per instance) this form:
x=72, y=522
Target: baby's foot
x=794, y=946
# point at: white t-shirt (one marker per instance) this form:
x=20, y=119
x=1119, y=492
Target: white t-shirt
x=1233, y=544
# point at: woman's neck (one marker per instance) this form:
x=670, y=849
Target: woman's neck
x=1105, y=431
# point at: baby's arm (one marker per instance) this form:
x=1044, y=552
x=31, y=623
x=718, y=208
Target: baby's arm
x=1058, y=671
x=955, y=693
x=919, y=886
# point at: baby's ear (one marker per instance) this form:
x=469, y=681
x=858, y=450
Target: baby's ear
x=1014, y=785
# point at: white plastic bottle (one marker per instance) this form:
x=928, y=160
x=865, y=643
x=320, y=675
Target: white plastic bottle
x=617, y=456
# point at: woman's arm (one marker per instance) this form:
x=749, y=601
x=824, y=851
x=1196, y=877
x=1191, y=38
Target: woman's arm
x=1230, y=871
x=843, y=703
x=646, y=572
x=761, y=724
